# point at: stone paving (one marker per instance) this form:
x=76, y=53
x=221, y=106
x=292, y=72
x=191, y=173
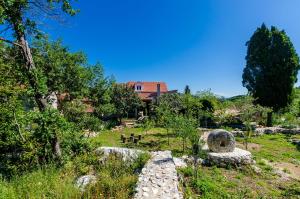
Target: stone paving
x=158, y=179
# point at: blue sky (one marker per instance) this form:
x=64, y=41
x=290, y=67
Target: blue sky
x=182, y=42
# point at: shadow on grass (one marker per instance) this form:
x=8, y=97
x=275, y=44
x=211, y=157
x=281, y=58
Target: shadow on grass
x=163, y=135
x=152, y=144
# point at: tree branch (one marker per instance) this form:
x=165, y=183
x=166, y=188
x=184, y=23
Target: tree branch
x=11, y=42
x=19, y=128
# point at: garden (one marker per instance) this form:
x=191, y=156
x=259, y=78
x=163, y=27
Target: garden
x=64, y=129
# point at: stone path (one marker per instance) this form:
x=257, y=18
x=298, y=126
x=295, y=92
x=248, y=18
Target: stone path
x=158, y=179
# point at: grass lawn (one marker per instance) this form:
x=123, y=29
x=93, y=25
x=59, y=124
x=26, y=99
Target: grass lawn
x=152, y=140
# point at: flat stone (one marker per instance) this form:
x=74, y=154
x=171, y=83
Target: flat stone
x=236, y=158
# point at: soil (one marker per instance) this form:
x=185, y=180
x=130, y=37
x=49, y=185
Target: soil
x=251, y=146
x=292, y=169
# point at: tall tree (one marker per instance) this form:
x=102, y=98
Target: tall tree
x=17, y=16
x=271, y=68
x=187, y=90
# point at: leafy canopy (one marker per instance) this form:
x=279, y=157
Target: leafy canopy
x=271, y=68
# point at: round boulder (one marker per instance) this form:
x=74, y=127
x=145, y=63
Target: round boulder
x=220, y=141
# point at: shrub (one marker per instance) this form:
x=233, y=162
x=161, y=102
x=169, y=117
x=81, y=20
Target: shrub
x=31, y=144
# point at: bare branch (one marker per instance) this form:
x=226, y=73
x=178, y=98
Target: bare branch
x=19, y=128
x=10, y=42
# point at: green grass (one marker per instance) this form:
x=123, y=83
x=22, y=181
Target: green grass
x=116, y=179
x=275, y=148
x=214, y=183
x=43, y=183
x=152, y=140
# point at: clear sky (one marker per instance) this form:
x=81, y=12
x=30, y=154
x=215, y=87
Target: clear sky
x=200, y=43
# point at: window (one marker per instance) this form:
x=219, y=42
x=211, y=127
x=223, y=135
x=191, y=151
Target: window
x=138, y=87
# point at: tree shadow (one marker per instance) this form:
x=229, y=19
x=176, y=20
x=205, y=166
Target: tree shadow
x=152, y=144
x=163, y=135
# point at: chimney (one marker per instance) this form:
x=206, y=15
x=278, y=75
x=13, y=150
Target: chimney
x=158, y=90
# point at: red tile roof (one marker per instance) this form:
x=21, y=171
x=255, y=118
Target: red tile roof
x=149, y=89
x=150, y=86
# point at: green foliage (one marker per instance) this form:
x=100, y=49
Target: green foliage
x=125, y=100
x=185, y=128
x=272, y=67
x=29, y=143
x=116, y=178
x=15, y=12
x=187, y=90
x=62, y=71
x=75, y=111
x=147, y=124
x=101, y=90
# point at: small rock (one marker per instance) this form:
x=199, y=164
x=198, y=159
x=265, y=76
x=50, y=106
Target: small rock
x=145, y=189
x=85, y=180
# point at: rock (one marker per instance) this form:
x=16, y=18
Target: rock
x=220, y=141
x=276, y=129
x=127, y=154
x=256, y=169
x=238, y=157
x=296, y=141
x=237, y=133
x=85, y=180
x=179, y=162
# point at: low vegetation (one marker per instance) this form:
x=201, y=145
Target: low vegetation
x=115, y=179
x=213, y=182
x=51, y=97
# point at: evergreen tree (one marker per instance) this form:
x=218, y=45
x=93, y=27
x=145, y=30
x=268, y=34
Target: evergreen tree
x=187, y=90
x=271, y=68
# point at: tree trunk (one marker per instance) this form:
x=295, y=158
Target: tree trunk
x=269, y=119
x=31, y=75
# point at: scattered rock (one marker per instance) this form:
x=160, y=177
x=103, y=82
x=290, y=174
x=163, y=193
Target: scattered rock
x=89, y=134
x=256, y=169
x=85, y=180
x=275, y=129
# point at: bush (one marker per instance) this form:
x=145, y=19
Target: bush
x=31, y=144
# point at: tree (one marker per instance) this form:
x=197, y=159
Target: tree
x=187, y=90
x=271, y=68
x=184, y=127
x=62, y=71
x=125, y=100
x=169, y=104
x=101, y=89
x=14, y=14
